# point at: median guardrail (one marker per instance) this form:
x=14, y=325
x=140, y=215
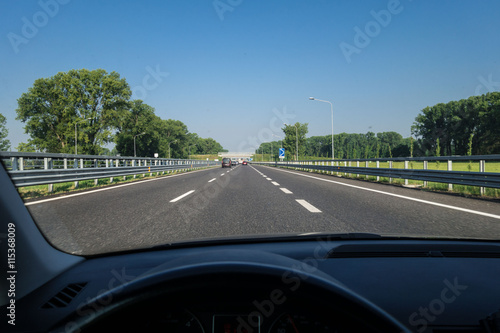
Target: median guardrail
x=27, y=169
x=371, y=167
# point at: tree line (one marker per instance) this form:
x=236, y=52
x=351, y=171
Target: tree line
x=85, y=110
x=466, y=127
x=347, y=146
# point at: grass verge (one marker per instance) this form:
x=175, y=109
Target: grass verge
x=39, y=191
x=463, y=190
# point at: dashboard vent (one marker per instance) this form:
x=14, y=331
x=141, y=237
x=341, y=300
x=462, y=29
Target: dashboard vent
x=65, y=296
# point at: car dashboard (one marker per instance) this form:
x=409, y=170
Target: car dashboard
x=294, y=284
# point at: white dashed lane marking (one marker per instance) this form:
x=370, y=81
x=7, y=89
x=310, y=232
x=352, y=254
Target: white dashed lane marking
x=308, y=206
x=182, y=196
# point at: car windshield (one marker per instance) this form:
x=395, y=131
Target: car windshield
x=124, y=124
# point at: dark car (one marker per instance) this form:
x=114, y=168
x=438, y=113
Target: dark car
x=226, y=162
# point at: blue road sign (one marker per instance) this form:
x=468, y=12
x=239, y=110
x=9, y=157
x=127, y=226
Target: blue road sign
x=282, y=153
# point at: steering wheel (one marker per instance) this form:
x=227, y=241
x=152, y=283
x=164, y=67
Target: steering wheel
x=217, y=276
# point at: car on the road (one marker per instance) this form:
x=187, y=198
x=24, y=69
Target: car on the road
x=226, y=162
x=234, y=162
x=244, y=163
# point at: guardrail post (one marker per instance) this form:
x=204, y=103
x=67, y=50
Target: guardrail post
x=13, y=162
x=378, y=166
x=96, y=165
x=357, y=165
x=75, y=166
x=426, y=166
x=366, y=166
x=390, y=167
x=406, y=167
x=20, y=163
x=109, y=164
x=482, y=168
x=124, y=165
x=47, y=164
x=450, y=168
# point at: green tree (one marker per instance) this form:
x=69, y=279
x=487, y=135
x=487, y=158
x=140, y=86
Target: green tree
x=164, y=137
x=454, y=123
x=290, y=142
x=92, y=101
x=26, y=147
x=4, y=143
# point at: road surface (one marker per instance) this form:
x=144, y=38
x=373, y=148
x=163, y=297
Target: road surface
x=252, y=200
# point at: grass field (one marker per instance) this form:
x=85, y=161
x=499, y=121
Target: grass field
x=211, y=157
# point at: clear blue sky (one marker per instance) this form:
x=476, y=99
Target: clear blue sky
x=228, y=71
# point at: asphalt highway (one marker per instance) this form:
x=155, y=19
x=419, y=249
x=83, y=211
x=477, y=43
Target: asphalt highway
x=252, y=200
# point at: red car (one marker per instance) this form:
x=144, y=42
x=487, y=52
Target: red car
x=244, y=163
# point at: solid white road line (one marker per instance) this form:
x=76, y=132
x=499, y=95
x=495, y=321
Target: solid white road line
x=110, y=188
x=182, y=196
x=287, y=191
x=211, y=180
x=400, y=196
x=308, y=206
x=274, y=183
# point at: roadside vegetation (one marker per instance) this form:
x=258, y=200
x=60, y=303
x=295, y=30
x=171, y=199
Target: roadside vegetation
x=39, y=191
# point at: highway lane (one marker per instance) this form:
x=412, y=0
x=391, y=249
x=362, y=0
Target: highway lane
x=379, y=208
x=248, y=200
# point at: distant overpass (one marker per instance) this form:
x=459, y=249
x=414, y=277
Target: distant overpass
x=238, y=155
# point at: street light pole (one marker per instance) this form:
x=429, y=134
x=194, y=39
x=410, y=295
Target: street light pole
x=331, y=107
x=134, y=141
x=272, y=156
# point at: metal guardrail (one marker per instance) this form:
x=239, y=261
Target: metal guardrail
x=26, y=169
x=481, y=179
